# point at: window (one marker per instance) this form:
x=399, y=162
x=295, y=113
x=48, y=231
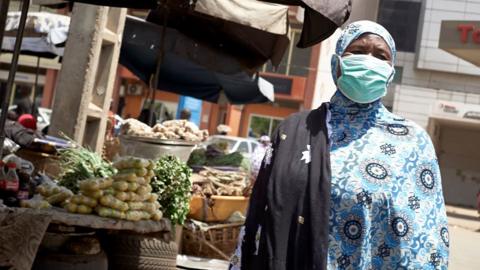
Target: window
x=296, y=61
x=262, y=125
x=398, y=75
x=401, y=18
x=243, y=147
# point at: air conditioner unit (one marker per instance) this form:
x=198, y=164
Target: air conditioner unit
x=134, y=89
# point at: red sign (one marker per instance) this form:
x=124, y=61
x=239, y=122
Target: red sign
x=467, y=30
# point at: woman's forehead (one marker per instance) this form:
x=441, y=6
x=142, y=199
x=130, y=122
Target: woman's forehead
x=369, y=38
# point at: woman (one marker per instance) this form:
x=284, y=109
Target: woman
x=349, y=185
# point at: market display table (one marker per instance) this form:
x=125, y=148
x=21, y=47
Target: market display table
x=23, y=230
x=62, y=217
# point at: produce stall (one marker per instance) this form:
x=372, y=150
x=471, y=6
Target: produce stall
x=219, y=203
x=122, y=202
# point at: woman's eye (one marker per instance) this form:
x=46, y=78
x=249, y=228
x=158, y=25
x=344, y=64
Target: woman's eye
x=381, y=57
x=357, y=52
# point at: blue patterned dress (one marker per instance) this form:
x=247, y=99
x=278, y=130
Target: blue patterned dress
x=387, y=204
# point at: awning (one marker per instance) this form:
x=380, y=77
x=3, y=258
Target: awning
x=45, y=33
x=271, y=18
x=321, y=19
x=250, y=31
x=181, y=75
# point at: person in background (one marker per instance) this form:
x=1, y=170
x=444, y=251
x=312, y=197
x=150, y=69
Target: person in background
x=28, y=121
x=12, y=115
x=223, y=130
x=257, y=157
x=20, y=134
x=145, y=117
x=185, y=114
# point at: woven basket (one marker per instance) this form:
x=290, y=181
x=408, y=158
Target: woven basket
x=213, y=242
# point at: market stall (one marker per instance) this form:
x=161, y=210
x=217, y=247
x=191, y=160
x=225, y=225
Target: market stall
x=95, y=214
x=123, y=202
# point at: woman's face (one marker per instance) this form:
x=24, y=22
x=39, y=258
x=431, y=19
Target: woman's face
x=370, y=44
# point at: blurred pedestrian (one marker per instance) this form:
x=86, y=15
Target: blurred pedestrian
x=257, y=157
x=185, y=114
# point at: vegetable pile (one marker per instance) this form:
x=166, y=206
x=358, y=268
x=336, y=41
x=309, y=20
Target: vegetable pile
x=78, y=164
x=126, y=195
x=215, y=182
x=48, y=194
x=168, y=130
x=172, y=184
x=213, y=157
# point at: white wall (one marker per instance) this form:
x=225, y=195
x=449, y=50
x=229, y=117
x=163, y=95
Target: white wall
x=429, y=55
x=324, y=86
x=435, y=79
x=416, y=103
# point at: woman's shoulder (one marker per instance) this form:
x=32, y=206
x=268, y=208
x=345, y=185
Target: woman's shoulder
x=397, y=121
x=305, y=118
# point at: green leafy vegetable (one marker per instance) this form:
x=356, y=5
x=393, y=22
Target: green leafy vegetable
x=79, y=163
x=172, y=184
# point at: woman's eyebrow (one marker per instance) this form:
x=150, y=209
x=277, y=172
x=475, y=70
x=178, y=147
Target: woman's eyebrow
x=356, y=46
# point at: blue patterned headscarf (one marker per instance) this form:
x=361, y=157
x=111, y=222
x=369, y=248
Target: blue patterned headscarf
x=353, y=31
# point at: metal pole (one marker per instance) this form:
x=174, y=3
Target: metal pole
x=13, y=70
x=161, y=52
x=4, y=4
x=32, y=110
x=35, y=85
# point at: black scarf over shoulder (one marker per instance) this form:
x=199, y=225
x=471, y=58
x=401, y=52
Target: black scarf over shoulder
x=291, y=199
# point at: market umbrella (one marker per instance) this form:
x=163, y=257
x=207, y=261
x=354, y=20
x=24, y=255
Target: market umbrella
x=321, y=18
x=250, y=31
x=181, y=75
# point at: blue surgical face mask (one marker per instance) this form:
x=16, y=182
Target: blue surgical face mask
x=364, y=78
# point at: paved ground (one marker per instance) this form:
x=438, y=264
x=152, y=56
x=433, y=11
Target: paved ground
x=464, y=227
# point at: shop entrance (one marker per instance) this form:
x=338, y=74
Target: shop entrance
x=458, y=149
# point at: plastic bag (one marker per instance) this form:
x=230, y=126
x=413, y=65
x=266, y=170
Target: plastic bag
x=36, y=202
x=10, y=146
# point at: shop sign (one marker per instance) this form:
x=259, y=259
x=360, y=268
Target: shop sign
x=469, y=33
x=459, y=35
x=457, y=110
x=462, y=39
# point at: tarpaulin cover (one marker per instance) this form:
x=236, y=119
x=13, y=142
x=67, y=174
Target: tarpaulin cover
x=44, y=33
x=231, y=27
x=182, y=75
x=321, y=19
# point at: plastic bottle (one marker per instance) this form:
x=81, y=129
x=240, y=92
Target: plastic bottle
x=12, y=183
x=24, y=187
x=3, y=177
